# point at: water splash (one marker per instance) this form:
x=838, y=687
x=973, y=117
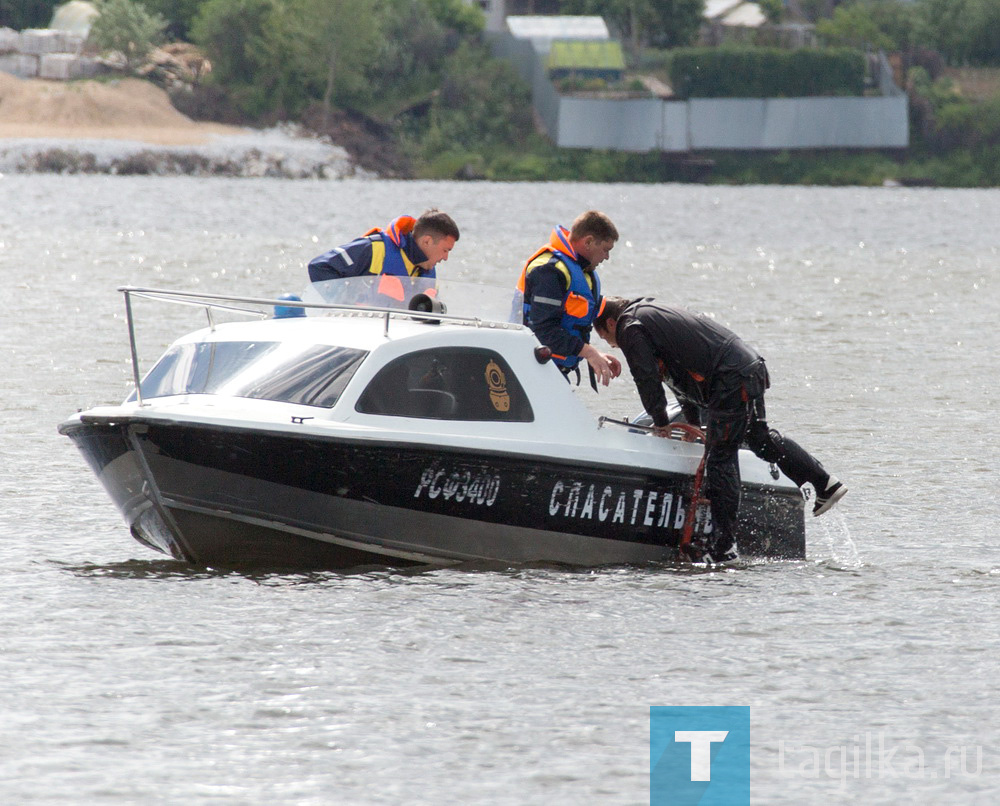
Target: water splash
x=829, y=538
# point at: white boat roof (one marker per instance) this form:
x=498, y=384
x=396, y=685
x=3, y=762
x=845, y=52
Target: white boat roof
x=361, y=331
x=560, y=425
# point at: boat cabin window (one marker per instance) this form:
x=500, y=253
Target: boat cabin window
x=312, y=375
x=457, y=383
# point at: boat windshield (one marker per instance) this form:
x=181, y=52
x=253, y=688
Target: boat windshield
x=491, y=303
x=311, y=375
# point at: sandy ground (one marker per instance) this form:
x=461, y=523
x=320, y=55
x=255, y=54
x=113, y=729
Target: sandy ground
x=126, y=109
x=111, y=121
x=181, y=136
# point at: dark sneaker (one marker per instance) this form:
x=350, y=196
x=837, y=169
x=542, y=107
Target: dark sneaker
x=831, y=495
x=696, y=551
x=699, y=552
x=727, y=555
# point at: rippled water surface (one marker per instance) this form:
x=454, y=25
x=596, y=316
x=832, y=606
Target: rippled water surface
x=129, y=678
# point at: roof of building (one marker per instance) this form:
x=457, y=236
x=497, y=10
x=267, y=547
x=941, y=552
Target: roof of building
x=747, y=15
x=586, y=55
x=717, y=8
x=557, y=26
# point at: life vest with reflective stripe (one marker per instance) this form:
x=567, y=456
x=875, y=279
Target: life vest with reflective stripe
x=388, y=255
x=389, y=258
x=582, y=295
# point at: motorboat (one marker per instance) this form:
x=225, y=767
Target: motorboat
x=344, y=427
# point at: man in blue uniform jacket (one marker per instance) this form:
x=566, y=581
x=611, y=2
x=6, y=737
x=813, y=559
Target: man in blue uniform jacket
x=408, y=247
x=560, y=294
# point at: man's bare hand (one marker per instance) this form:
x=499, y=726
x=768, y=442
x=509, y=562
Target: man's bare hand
x=605, y=366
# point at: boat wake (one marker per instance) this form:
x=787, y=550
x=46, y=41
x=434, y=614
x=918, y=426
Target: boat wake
x=180, y=570
x=142, y=569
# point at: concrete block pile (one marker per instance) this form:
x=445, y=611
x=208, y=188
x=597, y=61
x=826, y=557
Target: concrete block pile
x=44, y=53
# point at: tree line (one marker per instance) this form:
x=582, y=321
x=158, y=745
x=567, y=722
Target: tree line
x=422, y=69
x=962, y=31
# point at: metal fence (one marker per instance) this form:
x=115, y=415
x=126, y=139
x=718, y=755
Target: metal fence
x=655, y=124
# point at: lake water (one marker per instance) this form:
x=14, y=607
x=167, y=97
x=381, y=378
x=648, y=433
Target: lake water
x=871, y=668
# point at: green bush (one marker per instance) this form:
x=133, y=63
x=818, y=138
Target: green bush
x=572, y=83
x=766, y=72
x=481, y=104
x=453, y=165
x=463, y=18
x=520, y=167
x=179, y=14
x=966, y=134
x=962, y=168
x=128, y=29
x=247, y=43
x=967, y=125
x=854, y=25
x=964, y=31
x=654, y=59
x=832, y=168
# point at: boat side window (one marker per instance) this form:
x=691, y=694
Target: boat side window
x=312, y=375
x=457, y=383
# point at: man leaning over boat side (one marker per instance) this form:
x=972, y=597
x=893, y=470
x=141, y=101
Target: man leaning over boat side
x=407, y=247
x=560, y=293
x=712, y=372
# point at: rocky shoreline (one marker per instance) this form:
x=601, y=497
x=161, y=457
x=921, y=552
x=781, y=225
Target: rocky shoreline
x=282, y=152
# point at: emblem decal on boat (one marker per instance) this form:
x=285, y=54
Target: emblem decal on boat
x=497, y=382
x=480, y=488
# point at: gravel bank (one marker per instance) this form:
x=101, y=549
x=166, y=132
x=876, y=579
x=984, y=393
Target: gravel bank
x=279, y=152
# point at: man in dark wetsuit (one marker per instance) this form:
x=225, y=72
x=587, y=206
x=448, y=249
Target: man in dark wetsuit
x=711, y=371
